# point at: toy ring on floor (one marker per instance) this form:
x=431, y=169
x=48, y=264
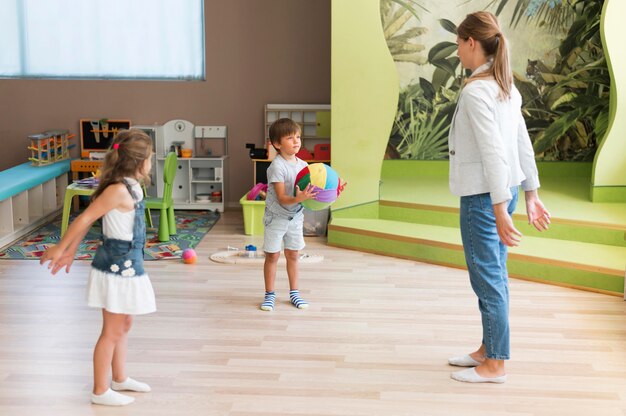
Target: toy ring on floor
x=241, y=257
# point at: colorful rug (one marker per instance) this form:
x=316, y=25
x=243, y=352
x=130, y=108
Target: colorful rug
x=191, y=227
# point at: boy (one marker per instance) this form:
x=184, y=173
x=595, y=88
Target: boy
x=283, y=217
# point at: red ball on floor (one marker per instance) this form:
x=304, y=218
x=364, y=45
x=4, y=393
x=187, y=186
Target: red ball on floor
x=189, y=256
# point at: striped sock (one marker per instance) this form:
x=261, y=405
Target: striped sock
x=268, y=302
x=298, y=302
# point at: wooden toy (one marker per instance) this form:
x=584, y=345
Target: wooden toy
x=49, y=147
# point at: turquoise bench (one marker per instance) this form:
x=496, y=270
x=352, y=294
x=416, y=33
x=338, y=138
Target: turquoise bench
x=29, y=196
x=25, y=176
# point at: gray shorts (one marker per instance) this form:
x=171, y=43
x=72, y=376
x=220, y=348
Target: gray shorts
x=279, y=229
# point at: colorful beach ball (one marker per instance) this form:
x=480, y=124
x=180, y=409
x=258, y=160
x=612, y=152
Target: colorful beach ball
x=325, y=181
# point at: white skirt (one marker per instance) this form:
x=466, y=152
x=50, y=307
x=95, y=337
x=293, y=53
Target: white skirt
x=119, y=294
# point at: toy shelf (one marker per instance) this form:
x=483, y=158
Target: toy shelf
x=313, y=118
x=314, y=121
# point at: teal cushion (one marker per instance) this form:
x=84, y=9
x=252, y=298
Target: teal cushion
x=25, y=176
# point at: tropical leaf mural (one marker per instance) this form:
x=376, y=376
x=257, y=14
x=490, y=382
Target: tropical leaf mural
x=401, y=34
x=561, y=73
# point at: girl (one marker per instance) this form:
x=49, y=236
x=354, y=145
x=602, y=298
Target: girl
x=117, y=282
x=490, y=156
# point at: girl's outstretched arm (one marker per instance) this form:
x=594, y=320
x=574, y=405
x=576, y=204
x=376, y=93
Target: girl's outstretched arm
x=62, y=254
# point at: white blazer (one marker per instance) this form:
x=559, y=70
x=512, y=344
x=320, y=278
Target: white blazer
x=490, y=150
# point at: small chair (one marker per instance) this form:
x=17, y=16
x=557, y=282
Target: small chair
x=71, y=191
x=167, y=222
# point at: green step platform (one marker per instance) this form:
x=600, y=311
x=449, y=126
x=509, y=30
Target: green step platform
x=417, y=218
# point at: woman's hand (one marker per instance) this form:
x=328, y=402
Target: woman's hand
x=538, y=215
x=509, y=235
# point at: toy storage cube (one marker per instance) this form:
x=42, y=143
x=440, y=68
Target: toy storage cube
x=252, y=216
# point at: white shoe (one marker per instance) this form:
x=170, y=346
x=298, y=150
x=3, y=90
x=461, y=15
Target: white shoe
x=130, y=385
x=111, y=398
x=471, y=376
x=464, y=361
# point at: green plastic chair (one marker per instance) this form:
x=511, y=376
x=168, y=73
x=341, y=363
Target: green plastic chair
x=167, y=222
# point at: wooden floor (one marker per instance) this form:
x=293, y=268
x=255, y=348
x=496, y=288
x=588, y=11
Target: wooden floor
x=374, y=342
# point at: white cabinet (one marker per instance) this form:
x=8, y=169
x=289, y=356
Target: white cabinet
x=200, y=181
x=207, y=181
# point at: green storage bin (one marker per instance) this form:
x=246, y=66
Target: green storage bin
x=252, y=216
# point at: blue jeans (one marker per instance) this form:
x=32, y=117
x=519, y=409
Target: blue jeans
x=485, y=256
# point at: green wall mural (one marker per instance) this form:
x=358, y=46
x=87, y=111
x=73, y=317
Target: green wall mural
x=608, y=181
x=558, y=63
x=364, y=94
x=365, y=91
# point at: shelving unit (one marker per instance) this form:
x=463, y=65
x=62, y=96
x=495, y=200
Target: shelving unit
x=314, y=120
x=28, y=202
x=200, y=177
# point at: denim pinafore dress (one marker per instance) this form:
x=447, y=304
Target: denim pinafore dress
x=118, y=282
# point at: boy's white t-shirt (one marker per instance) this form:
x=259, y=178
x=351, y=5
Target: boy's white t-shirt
x=280, y=170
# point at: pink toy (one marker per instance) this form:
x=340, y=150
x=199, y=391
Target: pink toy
x=256, y=190
x=189, y=256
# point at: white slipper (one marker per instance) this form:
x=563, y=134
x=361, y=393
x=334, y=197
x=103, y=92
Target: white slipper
x=464, y=361
x=471, y=376
x=111, y=398
x=130, y=385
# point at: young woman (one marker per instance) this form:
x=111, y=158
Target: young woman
x=490, y=157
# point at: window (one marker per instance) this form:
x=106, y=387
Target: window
x=102, y=39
